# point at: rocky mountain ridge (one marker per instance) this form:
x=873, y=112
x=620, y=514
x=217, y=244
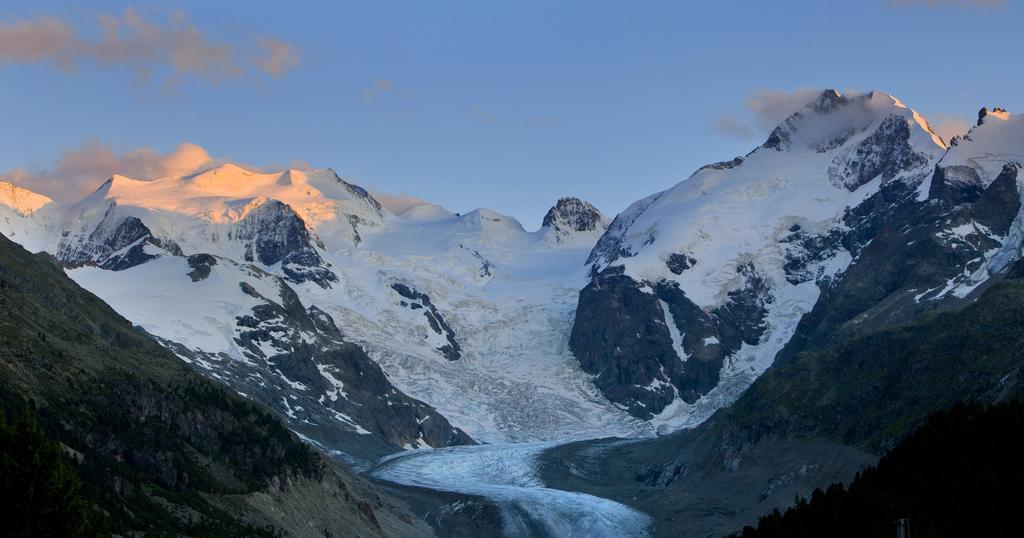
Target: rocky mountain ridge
x=694, y=290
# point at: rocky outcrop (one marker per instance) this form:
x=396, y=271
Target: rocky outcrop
x=570, y=217
x=884, y=154
x=648, y=343
x=116, y=243
x=273, y=234
x=416, y=300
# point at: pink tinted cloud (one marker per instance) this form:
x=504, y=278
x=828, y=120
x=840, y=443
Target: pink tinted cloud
x=173, y=49
x=81, y=170
x=948, y=126
x=397, y=203
x=279, y=57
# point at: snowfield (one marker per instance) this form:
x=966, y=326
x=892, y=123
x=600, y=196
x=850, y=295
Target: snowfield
x=516, y=380
x=507, y=475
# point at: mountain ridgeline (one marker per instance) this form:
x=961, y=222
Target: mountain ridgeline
x=853, y=214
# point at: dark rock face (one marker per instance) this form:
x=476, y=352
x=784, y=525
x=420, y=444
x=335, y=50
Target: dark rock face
x=999, y=203
x=907, y=253
x=955, y=184
x=677, y=263
x=201, y=265
x=420, y=301
x=114, y=245
x=573, y=215
x=618, y=337
x=272, y=233
x=885, y=154
x=621, y=335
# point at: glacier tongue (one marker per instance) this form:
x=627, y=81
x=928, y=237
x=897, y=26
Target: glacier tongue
x=507, y=475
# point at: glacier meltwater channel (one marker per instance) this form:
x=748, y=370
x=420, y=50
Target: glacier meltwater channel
x=507, y=474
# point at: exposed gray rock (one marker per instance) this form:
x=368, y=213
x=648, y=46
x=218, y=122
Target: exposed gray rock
x=115, y=244
x=573, y=215
x=621, y=336
x=677, y=263
x=272, y=233
x=201, y=265
x=886, y=153
x=420, y=301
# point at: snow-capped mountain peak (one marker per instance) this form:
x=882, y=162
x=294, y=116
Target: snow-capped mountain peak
x=977, y=158
x=997, y=113
x=722, y=266
x=21, y=200
x=320, y=197
x=832, y=119
x=229, y=211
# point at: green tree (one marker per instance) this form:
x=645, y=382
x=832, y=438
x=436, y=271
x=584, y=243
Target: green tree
x=40, y=493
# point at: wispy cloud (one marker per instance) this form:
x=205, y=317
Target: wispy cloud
x=379, y=86
x=770, y=107
x=949, y=3
x=948, y=126
x=730, y=126
x=766, y=108
x=279, y=57
x=397, y=203
x=172, y=49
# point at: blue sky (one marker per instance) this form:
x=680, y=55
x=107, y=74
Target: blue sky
x=506, y=105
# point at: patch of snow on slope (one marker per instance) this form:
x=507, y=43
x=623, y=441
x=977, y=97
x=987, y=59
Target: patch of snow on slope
x=673, y=331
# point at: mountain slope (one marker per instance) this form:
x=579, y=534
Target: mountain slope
x=166, y=450
x=248, y=329
x=959, y=474
x=926, y=312
x=696, y=288
x=467, y=313
x=827, y=226
x=811, y=421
